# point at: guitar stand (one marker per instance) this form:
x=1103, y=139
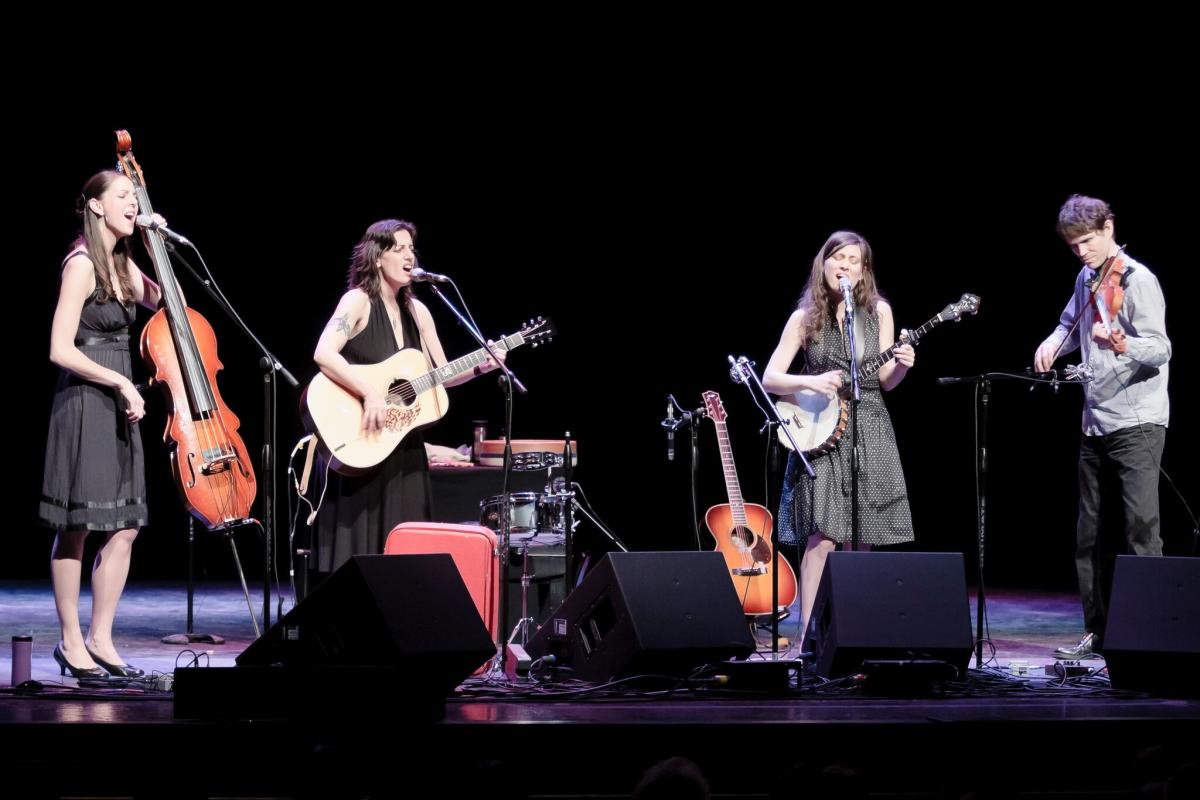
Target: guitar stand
x=190, y=636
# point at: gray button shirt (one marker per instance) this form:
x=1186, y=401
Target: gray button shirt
x=1128, y=389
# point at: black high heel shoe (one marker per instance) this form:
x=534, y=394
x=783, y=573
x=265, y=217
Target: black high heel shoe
x=92, y=673
x=116, y=670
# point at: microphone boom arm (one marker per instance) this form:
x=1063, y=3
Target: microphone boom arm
x=741, y=371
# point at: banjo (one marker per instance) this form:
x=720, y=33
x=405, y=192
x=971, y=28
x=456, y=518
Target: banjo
x=817, y=422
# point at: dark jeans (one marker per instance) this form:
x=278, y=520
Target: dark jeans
x=1118, y=510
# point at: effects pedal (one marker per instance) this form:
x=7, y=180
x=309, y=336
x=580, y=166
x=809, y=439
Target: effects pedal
x=516, y=662
x=1067, y=669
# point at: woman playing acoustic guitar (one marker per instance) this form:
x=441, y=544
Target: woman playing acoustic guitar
x=376, y=318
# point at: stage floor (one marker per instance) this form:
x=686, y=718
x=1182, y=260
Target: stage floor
x=1034, y=735
x=1022, y=625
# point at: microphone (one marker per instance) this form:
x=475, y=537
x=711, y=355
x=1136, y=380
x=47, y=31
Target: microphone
x=146, y=221
x=421, y=276
x=669, y=424
x=847, y=293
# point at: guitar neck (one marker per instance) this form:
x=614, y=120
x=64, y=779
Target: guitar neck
x=459, y=366
x=873, y=366
x=736, y=504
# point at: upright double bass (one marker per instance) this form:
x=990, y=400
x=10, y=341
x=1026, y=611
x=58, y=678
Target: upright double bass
x=208, y=458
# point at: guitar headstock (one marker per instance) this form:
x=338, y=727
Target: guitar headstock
x=968, y=304
x=538, y=330
x=714, y=406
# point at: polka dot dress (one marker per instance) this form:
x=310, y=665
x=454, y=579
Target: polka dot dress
x=823, y=504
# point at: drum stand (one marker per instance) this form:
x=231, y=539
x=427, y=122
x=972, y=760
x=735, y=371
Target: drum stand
x=520, y=634
x=527, y=625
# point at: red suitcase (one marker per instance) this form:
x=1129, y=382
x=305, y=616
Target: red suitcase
x=473, y=549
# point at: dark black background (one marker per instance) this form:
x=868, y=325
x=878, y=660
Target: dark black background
x=664, y=217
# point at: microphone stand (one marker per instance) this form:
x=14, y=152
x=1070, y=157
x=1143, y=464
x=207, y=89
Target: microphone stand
x=690, y=420
x=508, y=381
x=568, y=515
x=270, y=366
x=742, y=371
x=855, y=397
x=591, y=517
x=983, y=388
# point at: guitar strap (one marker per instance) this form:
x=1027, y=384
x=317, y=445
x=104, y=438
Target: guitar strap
x=306, y=473
x=420, y=334
x=860, y=337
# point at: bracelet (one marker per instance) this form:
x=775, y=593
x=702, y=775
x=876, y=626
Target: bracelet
x=478, y=371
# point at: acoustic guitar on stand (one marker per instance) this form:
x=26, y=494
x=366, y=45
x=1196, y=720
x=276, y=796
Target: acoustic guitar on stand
x=743, y=532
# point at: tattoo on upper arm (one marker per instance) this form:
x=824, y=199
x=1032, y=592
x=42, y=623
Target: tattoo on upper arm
x=341, y=324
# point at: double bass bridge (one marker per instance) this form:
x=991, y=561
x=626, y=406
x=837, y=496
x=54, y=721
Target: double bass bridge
x=217, y=461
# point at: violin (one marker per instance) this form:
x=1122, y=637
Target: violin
x=212, y=469
x=1108, y=293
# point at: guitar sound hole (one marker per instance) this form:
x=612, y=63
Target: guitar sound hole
x=400, y=393
x=744, y=537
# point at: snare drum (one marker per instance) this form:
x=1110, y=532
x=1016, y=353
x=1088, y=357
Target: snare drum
x=528, y=514
x=552, y=513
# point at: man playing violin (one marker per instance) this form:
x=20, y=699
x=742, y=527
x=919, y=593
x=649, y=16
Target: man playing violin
x=1117, y=319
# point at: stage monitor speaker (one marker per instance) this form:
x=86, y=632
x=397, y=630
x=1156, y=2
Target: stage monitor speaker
x=894, y=607
x=638, y=613
x=410, y=613
x=1152, y=640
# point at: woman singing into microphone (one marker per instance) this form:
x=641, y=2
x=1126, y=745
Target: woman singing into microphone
x=815, y=514
x=375, y=318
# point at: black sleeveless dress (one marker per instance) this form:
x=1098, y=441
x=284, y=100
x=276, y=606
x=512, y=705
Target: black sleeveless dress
x=358, y=512
x=94, y=476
